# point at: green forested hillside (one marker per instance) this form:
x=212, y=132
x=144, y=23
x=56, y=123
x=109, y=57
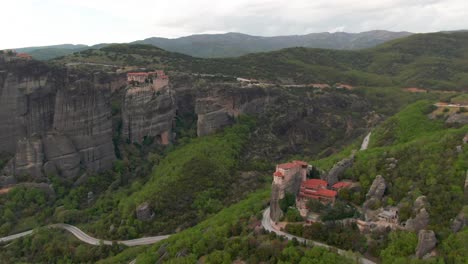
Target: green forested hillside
x=431, y=160
x=435, y=60
x=193, y=181
x=232, y=234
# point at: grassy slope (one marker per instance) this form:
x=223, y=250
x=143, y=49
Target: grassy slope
x=187, y=185
x=436, y=60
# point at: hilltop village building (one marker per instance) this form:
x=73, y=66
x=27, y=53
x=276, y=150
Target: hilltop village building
x=10, y=55
x=314, y=189
x=158, y=78
x=292, y=177
x=285, y=175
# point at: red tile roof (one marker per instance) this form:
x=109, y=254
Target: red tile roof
x=278, y=174
x=314, y=184
x=137, y=74
x=327, y=193
x=340, y=185
x=293, y=164
x=300, y=162
x=287, y=166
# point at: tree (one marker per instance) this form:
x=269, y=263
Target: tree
x=402, y=244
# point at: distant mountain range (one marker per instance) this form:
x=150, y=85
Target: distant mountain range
x=237, y=44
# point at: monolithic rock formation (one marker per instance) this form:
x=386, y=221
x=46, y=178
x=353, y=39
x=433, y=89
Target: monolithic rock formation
x=426, y=242
x=275, y=211
x=460, y=221
x=288, y=121
x=148, y=112
x=374, y=195
x=377, y=188
x=419, y=222
x=53, y=125
x=338, y=169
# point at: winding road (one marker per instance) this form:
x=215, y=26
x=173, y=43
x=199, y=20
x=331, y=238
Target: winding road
x=78, y=233
x=267, y=225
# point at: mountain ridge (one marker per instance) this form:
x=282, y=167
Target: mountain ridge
x=233, y=44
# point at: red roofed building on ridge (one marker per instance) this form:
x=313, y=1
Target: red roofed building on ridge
x=24, y=56
x=286, y=173
x=315, y=189
x=157, y=78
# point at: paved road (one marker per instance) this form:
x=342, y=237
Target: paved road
x=91, y=240
x=365, y=142
x=266, y=223
x=15, y=236
x=450, y=105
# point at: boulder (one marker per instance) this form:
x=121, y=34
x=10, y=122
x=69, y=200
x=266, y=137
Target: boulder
x=377, y=188
x=144, y=212
x=419, y=222
x=426, y=243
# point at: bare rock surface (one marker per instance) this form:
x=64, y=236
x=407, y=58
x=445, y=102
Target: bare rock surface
x=377, y=188
x=460, y=221
x=52, y=124
x=148, y=112
x=426, y=242
x=419, y=222
x=275, y=211
x=338, y=169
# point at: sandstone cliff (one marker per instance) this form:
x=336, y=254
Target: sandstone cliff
x=289, y=120
x=218, y=105
x=51, y=124
x=148, y=112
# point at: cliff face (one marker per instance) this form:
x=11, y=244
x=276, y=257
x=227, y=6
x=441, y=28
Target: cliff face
x=148, y=112
x=288, y=120
x=53, y=125
x=217, y=106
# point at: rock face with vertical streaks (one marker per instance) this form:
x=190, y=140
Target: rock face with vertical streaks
x=148, y=112
x=51, y=124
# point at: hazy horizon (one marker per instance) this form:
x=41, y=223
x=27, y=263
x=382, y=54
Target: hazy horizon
x=89, y=22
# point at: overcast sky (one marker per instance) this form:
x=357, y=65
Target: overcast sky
x=46, y=22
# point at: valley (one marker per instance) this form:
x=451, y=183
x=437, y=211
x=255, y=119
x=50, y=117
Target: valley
x=178, y=159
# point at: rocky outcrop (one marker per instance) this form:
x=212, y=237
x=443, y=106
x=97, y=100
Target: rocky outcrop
x=377, y=188
x=52, y=124
x=374, y=196
x=460, y=118
x=217, y=106
x=426, y=243
x=419, y=222
x=421, y=216
x=83, y=114
x=338, y=169
x=275, y=211
x=460, y=221
x=144, y=212
x=62, y=157
x=420, y=203
x=28, y=160
x=148, y=112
